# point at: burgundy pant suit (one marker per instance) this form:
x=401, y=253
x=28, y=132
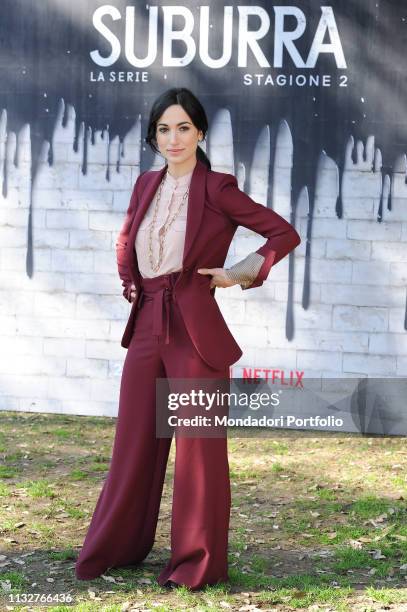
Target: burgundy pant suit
x=176, y=330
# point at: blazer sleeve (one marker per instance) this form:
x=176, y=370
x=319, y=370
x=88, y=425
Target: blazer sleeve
x=121, y=241
x=280, y=234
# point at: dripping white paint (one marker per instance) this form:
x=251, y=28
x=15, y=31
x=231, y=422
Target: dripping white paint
x=199, y=25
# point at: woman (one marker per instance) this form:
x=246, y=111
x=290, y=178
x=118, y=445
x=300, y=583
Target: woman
x=170, y=254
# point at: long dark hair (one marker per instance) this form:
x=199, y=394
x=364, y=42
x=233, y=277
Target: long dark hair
x=191, y=105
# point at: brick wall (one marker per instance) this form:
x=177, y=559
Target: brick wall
x=61, y=329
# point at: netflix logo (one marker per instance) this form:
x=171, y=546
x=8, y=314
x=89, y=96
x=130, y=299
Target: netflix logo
x=289, y=378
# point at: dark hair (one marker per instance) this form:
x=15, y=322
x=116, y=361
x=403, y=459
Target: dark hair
x=191, y=105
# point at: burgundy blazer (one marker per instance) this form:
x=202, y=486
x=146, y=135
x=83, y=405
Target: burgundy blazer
x=216, y=207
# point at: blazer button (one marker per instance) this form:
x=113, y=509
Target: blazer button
x=186, y=269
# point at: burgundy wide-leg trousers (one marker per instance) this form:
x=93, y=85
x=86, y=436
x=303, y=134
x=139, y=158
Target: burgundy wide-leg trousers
x=123, y=526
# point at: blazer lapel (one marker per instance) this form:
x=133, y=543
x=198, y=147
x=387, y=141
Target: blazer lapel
x=196, y=200
x=145, y=200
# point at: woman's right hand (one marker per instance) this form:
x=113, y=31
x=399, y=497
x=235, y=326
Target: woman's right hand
x=133, y=292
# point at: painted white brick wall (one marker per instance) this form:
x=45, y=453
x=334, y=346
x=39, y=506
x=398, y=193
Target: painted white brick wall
x=61, y=329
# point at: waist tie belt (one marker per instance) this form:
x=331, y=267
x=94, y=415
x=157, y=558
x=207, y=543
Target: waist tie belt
x=159, y=290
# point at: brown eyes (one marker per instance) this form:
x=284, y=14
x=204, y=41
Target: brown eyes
x=183, y=128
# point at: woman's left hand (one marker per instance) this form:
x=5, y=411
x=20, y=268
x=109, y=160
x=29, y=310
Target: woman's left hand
x=219, y=277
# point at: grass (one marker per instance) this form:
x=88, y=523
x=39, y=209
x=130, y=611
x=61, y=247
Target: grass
x=315, y=521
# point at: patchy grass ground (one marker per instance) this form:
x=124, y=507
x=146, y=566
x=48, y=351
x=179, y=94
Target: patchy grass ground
x=317, y=523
